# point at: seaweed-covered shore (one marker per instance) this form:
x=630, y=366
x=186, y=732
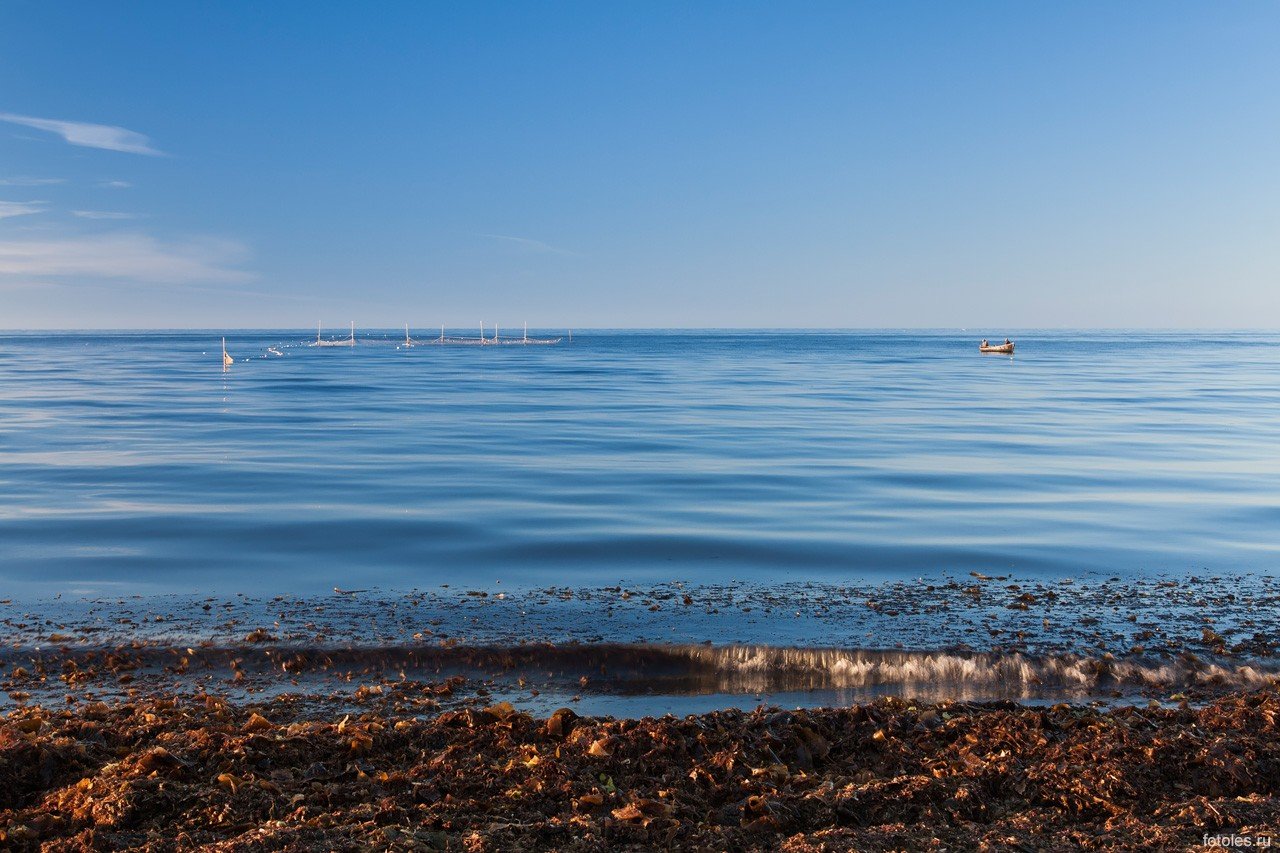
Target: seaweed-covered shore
x=428, y=721
x=187, y=770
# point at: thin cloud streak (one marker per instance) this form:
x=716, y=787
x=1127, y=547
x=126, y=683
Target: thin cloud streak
x=115, y=185
x=533, y=245
x=20, y=208
x=103, y=214
x=30, y=182
x=105, y=136
x=135, y=256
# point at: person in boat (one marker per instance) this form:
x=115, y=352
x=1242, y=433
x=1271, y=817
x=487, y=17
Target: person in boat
x=1007, y=341
x=984, y=342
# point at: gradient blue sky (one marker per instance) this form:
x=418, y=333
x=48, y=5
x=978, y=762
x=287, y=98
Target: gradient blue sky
x=182, y=164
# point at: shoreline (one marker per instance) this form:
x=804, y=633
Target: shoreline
x=672, y=647
x=1099, y=714
x=189, y=769
x=1017, y=613
x=618, y=679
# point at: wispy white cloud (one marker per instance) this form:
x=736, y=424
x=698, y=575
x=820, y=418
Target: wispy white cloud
x=103, y=214
x=30, y=182
x=115, y=185
x=135, y=256
x=20, y=208
x=531, y=245
x=89, y=135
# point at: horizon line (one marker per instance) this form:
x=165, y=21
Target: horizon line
x=400, y=328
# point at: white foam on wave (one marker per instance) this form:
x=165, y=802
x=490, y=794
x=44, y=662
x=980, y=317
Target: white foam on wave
x=1001, y=672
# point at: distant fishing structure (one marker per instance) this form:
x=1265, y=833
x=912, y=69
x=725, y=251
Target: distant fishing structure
x=336, y=342
x=495, y=340
x=484, y=338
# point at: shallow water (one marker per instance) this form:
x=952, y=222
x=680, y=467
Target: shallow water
x=131, y=463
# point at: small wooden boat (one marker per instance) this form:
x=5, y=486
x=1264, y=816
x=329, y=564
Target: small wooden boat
x=1006, y=349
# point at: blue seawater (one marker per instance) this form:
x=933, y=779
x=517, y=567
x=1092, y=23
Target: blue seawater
x=131, y=463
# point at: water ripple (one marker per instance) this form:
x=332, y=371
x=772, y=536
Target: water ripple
x=132, y=459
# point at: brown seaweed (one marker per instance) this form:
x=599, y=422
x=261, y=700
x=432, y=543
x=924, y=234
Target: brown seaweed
x=176, y=772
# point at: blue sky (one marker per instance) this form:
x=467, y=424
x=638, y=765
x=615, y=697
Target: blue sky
x=639, y=164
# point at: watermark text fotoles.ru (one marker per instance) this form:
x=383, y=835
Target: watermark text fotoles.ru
x=1238, y=842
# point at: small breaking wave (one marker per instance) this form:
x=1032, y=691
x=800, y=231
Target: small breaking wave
x=999, y=674
x=689, y=670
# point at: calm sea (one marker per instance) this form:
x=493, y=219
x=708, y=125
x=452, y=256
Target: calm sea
x=132, y=463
